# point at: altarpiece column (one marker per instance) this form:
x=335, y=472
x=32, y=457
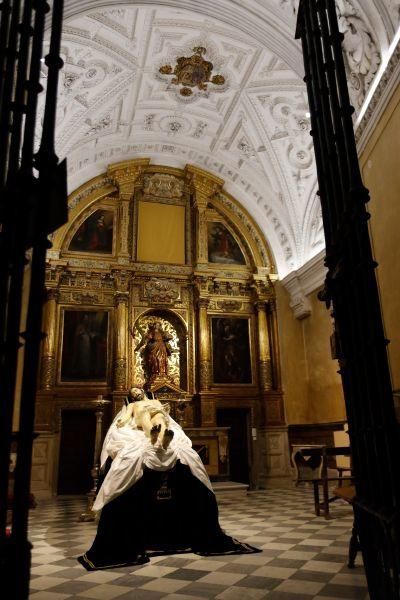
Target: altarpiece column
x=48, y=362
x=126, y=177
x=204, y=186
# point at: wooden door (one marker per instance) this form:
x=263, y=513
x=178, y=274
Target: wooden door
x=238, y=421
x=76, y=451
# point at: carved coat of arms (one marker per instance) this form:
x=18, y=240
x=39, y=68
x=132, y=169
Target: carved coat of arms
x=192, y=72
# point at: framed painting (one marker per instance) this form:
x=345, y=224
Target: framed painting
x=231, y=354
x=222, y=246
x=95, y=234
x=84, y=351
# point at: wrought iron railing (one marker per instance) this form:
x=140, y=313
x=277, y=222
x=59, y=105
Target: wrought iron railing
x=352, y=294
x=33, y=203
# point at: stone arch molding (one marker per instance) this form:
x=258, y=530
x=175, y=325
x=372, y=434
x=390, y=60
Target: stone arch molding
x=252, y=131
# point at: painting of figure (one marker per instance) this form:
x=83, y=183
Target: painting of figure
x=222, y=246
x=84, y=348
x=95, y=234
x=231, y=350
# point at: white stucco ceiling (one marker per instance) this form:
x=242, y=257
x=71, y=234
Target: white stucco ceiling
x=253, y=131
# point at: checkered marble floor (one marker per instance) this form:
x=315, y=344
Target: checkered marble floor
x=304, y=557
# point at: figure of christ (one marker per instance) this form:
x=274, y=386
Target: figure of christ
x=150, y=415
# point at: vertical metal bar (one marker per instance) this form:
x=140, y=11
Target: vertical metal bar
x=21, y=545
x=5, y=113
x=18, y=105
x=9, y=323
x=15, y=223
x=5, y=12
x=52, y=191
x=54, y=64
x=325, y=184
x=351, y=287
x=34, y=87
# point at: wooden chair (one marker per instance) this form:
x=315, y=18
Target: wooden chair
x=348, y=494
x=326, y=453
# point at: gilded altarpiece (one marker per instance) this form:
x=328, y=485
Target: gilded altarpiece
x=206, y=286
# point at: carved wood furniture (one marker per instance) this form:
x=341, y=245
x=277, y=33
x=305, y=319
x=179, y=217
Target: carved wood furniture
x=308, y=466
x=324, y=454
x=348, y=493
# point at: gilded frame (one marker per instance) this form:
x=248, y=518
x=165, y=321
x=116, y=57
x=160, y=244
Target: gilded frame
x=85, y=381
x=105, y=204
x=251, y=358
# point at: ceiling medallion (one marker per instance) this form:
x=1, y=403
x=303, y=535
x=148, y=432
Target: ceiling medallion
x=191, y=72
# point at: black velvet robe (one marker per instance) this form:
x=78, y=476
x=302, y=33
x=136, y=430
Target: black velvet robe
x=164, y=512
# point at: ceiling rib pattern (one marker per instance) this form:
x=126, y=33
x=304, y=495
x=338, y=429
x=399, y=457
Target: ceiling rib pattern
x=252, y=129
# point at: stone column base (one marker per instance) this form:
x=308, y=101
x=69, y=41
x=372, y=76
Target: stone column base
x=275, y=470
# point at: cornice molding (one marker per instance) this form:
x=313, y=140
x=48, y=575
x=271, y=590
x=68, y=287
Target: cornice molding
x=301, y=283
x=379, y=101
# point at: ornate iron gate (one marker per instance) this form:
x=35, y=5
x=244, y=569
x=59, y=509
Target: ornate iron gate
x=31, y=207
x=351, y=290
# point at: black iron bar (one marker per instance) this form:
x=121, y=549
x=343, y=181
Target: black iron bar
x=9, y=78
x=9, y=317
x=5, y=13
x=338, y=164
x=316, y=132
x=322, y=100
x=18, y=104
x=50, y=197
x=351, y=289
x=30, y=209
x=33, y=335
x=34, y=87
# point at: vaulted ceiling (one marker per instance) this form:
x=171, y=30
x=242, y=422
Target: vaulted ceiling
x=250, y=126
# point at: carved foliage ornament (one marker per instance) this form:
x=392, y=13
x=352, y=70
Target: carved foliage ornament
x=161, y=291
x=163, y=186
x=192, y=72
x=361, y=52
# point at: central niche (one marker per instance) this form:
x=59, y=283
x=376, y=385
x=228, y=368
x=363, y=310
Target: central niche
x=173, y=335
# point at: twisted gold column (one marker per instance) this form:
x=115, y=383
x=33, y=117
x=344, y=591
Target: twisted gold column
x=276, y=363
x=264, y=347
x=121, y=330
x=48, y=360
x=204, y=345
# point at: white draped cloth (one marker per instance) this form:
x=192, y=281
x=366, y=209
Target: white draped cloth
x=131, y=451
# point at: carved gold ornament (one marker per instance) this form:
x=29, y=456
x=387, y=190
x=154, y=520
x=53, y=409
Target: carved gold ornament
x=192, y=72
x=139, y=332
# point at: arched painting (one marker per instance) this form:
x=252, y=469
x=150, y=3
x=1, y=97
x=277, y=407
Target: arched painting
x=95, y=234
x=222, y=246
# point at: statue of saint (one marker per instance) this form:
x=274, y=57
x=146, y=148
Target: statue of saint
x=155, y=349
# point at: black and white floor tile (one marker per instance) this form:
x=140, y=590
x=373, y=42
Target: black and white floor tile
x=303, y=556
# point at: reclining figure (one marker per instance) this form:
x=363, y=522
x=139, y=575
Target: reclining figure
x=150, y=415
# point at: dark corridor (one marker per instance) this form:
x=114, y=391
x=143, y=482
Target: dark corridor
x=238, y=421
